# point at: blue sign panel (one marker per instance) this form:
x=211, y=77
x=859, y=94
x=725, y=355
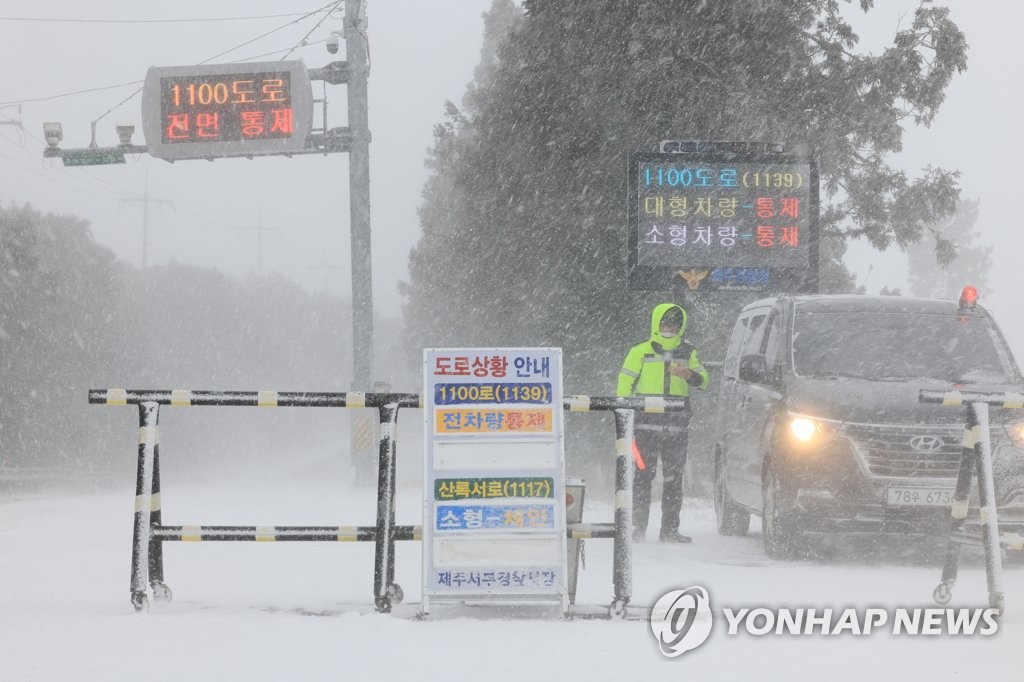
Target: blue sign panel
x=493, y=517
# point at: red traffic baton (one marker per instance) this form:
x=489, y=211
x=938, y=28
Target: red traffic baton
x=637, y=457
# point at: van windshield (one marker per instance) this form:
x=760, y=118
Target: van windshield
x=880, y=346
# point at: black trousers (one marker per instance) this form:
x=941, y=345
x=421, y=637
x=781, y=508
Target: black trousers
x=670, y=448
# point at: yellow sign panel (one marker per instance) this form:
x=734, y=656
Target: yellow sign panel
x=493, y=420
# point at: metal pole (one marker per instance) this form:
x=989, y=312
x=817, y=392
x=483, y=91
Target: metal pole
x=987, y=506
x=145, y=223
x=156, y=547
x=359, y=194
x=622, y=562
x=148, y=415
x=383, y=570
x=958, y=510
x=259, y=245
x=389, y=435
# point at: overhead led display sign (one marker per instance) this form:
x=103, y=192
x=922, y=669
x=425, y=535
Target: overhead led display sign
x=723, y=221
x=220, y=110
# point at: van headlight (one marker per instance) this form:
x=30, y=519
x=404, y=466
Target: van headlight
x=806, y=429
x=1016, y=433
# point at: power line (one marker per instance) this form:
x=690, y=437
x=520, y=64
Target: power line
x=209, y=222
x=120, y=195
x=48, y=178
x=77, y=175
x=124, y=85
x=270, y=54
x=310, y=32
x=329, y=7
x=332, y=5
x=69, y=94
x=156, y=21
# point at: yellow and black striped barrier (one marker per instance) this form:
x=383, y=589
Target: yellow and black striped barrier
x=188, y=398
x=975, y=462
x=149, y=532
x=621, y=531
x=279, y=533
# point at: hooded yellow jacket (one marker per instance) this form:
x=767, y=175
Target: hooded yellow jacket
x=648, y=365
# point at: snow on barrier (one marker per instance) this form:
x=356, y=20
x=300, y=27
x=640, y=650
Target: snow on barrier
x=976, y=460
x=149, y=532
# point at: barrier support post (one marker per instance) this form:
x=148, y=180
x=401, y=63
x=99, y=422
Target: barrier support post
x=958, y=510
x=622, y=562
x=149, y=415
x=156, y=546
x=976, y=460
x=987, y=505
x=384, y=589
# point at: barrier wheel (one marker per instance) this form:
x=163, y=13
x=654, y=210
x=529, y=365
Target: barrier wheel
x=618, y=608
x=139, y=601
x=161, y=592
x=943, y=593
x=395, y=593
x=383, y=604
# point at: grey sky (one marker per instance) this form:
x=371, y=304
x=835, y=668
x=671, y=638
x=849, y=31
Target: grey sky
x=422, y=53
x=976, y=131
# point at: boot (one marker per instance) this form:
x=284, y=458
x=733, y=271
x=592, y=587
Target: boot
x=674, y=536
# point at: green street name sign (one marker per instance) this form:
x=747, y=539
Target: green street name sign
x=92, y=157
x=493, y=487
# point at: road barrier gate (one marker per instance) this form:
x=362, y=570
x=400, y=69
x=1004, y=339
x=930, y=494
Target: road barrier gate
x=149, y=532
x=976, y=461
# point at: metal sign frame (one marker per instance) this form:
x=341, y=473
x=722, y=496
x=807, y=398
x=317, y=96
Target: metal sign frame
x=494, y=516
x=698, y=275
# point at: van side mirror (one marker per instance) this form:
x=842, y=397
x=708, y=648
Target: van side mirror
x=754, y=368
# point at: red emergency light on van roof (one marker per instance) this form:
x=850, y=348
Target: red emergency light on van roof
x=968, y=297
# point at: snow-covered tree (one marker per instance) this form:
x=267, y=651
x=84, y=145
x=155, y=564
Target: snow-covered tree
x=524, y=218
x=72, y=318
x=951, y=257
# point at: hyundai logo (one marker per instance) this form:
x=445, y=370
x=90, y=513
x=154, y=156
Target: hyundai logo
x=926, y=443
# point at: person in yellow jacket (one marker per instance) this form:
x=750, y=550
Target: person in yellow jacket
x=664, y=365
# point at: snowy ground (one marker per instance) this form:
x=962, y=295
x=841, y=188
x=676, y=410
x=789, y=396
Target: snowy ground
x=302, y=611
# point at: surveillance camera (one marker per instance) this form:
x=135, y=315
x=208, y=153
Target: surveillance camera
x=332, y=44
x=124, y=133
x=54, y=133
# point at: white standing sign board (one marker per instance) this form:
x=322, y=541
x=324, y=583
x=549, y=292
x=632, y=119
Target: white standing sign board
x=494, y=483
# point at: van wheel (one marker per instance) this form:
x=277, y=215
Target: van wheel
x=731, y=519
x=781, y=541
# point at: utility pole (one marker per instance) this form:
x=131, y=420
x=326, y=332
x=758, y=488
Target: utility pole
x=359, y=194
x=145, y=201
x=325, y=267
x=260, y=229
x=145, y=221
x=259, y=244
x=362, y=431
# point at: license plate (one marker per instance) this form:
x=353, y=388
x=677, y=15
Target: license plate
x=920, y=497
